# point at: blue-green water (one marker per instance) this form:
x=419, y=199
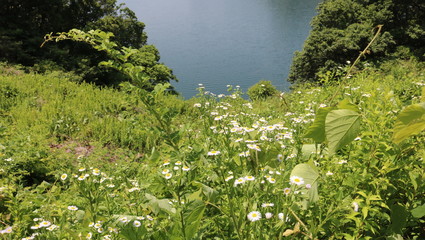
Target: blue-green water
x=221, y=42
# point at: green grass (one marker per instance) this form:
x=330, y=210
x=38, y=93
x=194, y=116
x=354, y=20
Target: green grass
x=213, y=167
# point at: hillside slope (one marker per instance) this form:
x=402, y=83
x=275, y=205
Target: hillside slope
x=320, y=162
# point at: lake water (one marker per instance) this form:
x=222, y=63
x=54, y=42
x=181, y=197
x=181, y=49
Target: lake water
x=221, y=42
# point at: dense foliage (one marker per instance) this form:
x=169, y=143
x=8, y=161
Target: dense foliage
x=262, y=90
x=341, y=161
x=343, y=28
x=24, y=23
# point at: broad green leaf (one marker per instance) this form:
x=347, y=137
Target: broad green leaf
x=154, y=156
x=411, y=112
x=159, y=204
x=365, y=212
x=209, y=192
x=419, y=211
x=317, y=130
x=399, y=216
x=80, y=214
x=310, y=175
x=346, y=104
x=192, y=217
x=413, y=176
x=410, y=121
x=176, y=232
x=195, y=195
x=342, y=126
x=308, y=150
x=268, y=157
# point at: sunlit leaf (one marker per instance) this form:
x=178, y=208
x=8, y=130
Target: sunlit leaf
x=346, y=104
x=410, y=121
x=158, y=205
x=342, y=127
x=309, y=150
x=317, y=130
x=310, y=175
x=192, y=217
x=419, y=211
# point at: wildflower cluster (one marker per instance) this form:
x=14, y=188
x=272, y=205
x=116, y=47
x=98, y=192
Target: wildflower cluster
x=169, y=168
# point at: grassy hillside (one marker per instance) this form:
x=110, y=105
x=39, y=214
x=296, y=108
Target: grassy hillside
x=337, y=161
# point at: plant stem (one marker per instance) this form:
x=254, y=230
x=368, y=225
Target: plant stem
x=301, y=222
x=362, y=53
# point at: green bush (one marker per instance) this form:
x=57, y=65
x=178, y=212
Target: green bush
x=261, y=90
x=344, y=28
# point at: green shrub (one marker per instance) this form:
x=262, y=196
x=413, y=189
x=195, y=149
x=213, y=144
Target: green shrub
x=261, y=90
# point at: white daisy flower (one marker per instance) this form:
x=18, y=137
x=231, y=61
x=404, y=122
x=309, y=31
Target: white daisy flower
x=228, y=178
x=64, y=176
x=136, y=223
x=239, y=181
x=72, y=208
x=37, y=226
x=254, y=147
x=166, y=162
x=98, y=225
x=244, y=154
x=213, y=153
x=271, y=180
x=52, y=227
x=96, y=171
x=82, y=177
x=267, y=205
x=280, y=157
x=45, y=224
x=355, y=206
x=281, y=216
x=134, y=189
x=297, y=180
x=254, y=216
x=269, y=215
x=185, y=168
x=249, y=178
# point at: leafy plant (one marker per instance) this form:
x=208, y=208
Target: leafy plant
x=211, y=167
x=409, y=122
x=339, y=126
x=262, y=90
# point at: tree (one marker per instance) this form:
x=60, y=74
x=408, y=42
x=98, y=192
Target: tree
x=23, y=24
x=343, y=28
